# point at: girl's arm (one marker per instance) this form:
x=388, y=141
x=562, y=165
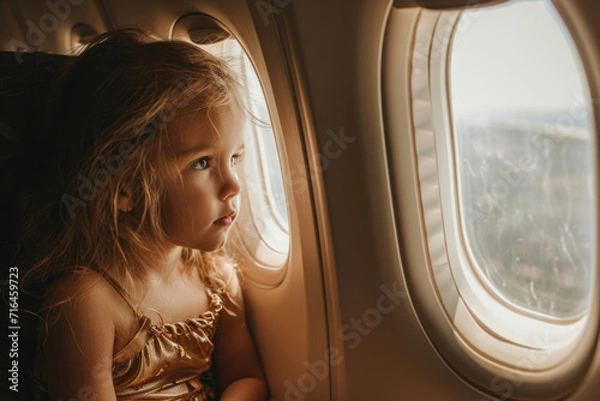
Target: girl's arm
x=236, y=364
x=79, y=346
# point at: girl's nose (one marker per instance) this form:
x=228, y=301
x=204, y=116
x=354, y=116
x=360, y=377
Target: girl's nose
x=231, y=183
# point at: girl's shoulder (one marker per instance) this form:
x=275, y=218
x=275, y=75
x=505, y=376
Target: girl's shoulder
x=227, y=270
x=82, y=291
x=231, y=290
x=76, y=283
x=226, y=267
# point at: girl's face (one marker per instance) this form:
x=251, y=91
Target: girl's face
x=201, y=205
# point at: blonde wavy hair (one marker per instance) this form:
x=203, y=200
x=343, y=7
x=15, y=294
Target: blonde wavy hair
x=109, y=122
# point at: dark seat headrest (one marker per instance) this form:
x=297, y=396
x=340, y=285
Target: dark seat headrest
x=26, y=79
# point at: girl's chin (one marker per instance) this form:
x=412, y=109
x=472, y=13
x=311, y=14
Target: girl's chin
x=210, y=246
x=204, y=245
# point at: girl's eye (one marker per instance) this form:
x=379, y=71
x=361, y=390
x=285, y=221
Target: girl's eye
x=202, y=163
x=237, y=159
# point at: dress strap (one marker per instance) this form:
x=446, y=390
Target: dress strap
x=115, y=284
x=119, y=289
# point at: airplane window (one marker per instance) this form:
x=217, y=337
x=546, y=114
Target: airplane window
x=265, y=235
x=504, y=145
x=524, y=149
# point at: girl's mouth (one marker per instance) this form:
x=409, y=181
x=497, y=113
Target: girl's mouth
x=226, y=220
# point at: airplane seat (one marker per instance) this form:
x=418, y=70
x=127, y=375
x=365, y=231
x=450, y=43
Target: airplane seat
x=26, y=80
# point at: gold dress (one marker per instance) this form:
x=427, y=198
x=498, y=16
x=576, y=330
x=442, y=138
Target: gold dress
x=162, y=362
x=166, y=362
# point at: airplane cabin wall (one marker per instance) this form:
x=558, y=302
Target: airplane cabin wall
x=339, y=45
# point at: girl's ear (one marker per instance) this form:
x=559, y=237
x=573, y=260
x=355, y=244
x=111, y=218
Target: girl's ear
x=124, y=203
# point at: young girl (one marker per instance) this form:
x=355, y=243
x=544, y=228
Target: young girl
x=140, y=300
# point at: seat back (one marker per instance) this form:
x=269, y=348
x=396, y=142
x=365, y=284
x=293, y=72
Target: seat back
x=25, y=82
